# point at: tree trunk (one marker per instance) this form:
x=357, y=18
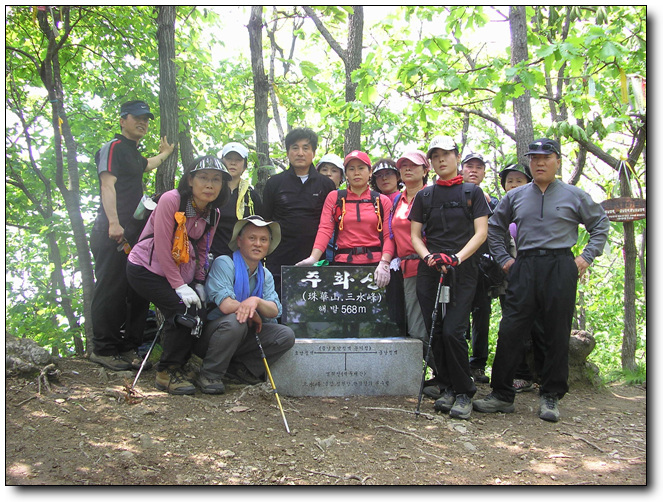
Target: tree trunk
x=630, y=260
x=352, y=139
x=522, y=111
x=187, y=152
x=351, y=58
x=260, y=86
x=168, y=104
x=52, y=80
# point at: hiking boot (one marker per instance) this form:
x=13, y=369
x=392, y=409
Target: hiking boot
x=479, y=375
x=491, y=404
x=548, y=409
x=433, y=391
x=134, y=358
x=114, y=362
x=445, y=401
x=462, y=408
x=239, y=373
x=192, y=367
x=173, y=381
x=521, y=385
x=210, y=385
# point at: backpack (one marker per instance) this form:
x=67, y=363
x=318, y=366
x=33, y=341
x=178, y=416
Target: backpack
x=339, y=211
x=427, y=201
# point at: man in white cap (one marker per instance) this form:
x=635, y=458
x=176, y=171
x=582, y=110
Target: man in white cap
x=246, y=303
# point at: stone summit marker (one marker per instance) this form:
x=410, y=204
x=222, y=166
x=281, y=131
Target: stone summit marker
x=346, y=345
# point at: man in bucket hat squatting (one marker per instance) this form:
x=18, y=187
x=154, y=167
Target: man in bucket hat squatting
x=115, y=306
x=246, y=303
x=543, y=278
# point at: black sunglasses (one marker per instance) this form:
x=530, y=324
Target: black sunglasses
x=546, y=147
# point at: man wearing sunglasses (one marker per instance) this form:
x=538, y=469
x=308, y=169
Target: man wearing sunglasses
x=544, y=276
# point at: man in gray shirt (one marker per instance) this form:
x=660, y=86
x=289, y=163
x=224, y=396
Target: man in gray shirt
x=543, y=278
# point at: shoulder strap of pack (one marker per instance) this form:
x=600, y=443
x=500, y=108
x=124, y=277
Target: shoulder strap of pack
x=379, y=210
x=397, y=199
x=426, y=201
x=468, y=209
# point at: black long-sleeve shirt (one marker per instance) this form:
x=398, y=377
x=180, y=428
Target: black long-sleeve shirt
x=296, y=206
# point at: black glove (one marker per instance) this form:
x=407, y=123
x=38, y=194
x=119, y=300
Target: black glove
x=442, y=259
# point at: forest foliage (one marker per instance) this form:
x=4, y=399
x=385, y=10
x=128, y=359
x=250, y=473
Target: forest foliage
x=424, y=71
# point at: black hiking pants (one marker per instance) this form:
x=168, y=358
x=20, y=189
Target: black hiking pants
x=449, y=346
x=540, y=287
x=119, y=314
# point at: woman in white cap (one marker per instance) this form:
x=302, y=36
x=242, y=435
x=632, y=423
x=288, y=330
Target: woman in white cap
x=331, y=165
x=449, y=222
x=169, y=263
x=358, y=216
x=244, y=200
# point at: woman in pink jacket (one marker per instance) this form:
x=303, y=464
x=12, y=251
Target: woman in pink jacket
x=413, y=167
x=169, y=263
x=360, y=220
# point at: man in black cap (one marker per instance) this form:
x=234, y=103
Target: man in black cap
x=543, y=278
x=473, y=169
x=114, y=304
x=294, y=199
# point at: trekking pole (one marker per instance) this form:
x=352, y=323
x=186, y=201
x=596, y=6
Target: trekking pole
x=271, y=380
x=442, y=297
x=147, y=356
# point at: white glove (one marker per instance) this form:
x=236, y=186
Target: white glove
x=188, y=296
x=200, y=289
x=382, y=274
x=395, y=264
x=306, y=262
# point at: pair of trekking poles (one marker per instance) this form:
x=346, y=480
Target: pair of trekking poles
x=262, y=353
x=442, y=298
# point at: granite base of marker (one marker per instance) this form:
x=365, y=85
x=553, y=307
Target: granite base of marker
x=350, y=367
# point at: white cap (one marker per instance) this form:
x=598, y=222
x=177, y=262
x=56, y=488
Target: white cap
x=331, y=159
x=235, y=147
x=442, y=142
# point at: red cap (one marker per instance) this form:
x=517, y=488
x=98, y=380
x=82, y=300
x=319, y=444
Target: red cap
x=356, y=154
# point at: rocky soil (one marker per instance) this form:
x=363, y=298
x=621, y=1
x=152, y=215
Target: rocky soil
x=82, y=428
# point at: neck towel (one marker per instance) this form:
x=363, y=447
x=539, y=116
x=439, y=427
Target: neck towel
x=453, y=181
x=242, y=279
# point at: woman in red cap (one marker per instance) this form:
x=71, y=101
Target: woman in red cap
x=358, y=215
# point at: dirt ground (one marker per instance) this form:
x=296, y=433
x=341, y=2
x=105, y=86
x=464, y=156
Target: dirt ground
x=84, y=432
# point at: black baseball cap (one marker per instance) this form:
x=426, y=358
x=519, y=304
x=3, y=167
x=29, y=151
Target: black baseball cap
x=471, y=156
x=513, y=168
x=135, y=108
x=544, y=146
